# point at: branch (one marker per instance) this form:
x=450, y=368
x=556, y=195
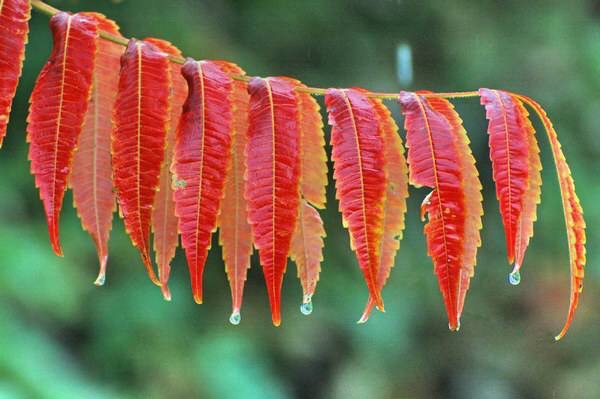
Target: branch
x=50, y=11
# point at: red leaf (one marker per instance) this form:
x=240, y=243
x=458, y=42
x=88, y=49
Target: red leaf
x=533, y=193
x=164, y=221
x=141, y=115
x=359, y=170
x=58, y=105
x=473, y=200
x=91, y=178
x=434, y=161
x=307, y=251
x=394, y=205
x=516, y=165
x=307, y=242
x=273, y=177
x=200, y=163
x=573, y=213
x=14, y=24
x=314, y=159
x=235, y=235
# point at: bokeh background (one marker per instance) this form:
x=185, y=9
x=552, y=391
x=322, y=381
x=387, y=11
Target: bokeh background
x=62, y=337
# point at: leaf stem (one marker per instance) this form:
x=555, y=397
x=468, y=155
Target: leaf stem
x=49, y=10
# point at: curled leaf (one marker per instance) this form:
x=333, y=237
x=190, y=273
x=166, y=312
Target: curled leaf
x=272, y=181
x=141, y=115
x=573, y=213
x=57, y=111
x=91, y=179
x=202, y=150
x=14, y=25
x=359, y=170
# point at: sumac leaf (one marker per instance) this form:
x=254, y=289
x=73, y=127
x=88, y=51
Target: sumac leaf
x=141, y=115
x=573, y=213
x=14, y=25
x=91, y=178
x=516, y=169
x=273, y=178
x=164, y=221
x=200, y=161
x=359, y=170
x=307, y=242
x=57, y=111
x=434, y=161
x=394, y=205
x=473, y=199
x=313, y=181
x=307, y=251
x=235, y=235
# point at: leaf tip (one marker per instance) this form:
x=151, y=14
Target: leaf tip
x=148, y=265
x=367, y=312
x=558, y=337
x=454, y=326
x=378, y=300
x=55, y=240
x=166, y=292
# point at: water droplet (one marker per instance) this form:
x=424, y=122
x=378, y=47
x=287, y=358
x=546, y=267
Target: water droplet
x=306, y=308
x=514, y=277
x=404, y=64
x=179, y=183
x=100, y=280
x=235, y=318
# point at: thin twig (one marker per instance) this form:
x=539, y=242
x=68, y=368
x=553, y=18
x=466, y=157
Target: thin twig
x=50, y=11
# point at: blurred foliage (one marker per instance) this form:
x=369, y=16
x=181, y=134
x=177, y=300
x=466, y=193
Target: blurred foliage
x=62, y=337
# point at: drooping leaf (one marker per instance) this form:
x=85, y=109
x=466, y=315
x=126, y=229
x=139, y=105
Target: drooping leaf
x=307, y=251
x=533, y=194
x=273, y=178
x=202, y=151
x=573, y=213
x=14, y=25
x=359, y=170
x=91, y=178
x=307, y=242
x=141, y=115
x=394, y=205
x=473, y=199
x=57, y=111
x=516, y=167
x=235, y=235
x=164, y=221
x=434, y=161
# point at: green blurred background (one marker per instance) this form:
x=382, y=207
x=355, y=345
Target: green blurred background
x=62, y=337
